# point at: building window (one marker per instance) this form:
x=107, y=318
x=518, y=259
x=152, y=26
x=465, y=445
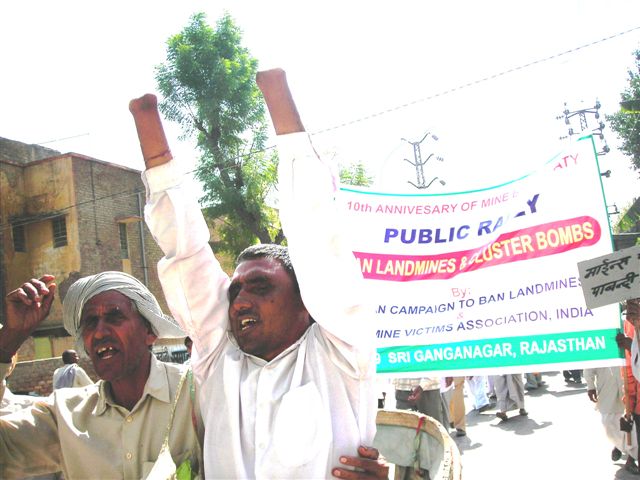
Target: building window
x=19, y=239
x=59, y=232
x=124, y=242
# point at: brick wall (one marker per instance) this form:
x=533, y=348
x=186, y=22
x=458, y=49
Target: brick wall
x=37, y=375
x=11, y=204
x=104, y=195
x=114, y=190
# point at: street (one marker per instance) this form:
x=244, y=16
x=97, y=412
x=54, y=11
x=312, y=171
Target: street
x=561, y=438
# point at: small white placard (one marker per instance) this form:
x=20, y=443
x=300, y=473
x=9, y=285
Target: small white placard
x=611, y=278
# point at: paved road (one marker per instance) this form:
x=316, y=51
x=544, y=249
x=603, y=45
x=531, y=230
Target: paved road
x=562, y=438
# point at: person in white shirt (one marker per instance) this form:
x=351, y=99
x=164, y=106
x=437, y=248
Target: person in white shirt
x=283, y=359
x=72, y=374
x=510, y=392
x=605, y=388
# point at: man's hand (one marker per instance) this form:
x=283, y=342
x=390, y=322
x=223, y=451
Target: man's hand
x=27, y=307
x=415, y=395
x=369, y=464
x=623, y=341
x=593, y=396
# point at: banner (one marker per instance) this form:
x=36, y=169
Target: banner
x=487, y=280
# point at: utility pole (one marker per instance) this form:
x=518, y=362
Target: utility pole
x=419, y=163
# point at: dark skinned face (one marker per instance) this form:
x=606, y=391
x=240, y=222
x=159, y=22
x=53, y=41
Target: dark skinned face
x=115, y=337
x=266, y=312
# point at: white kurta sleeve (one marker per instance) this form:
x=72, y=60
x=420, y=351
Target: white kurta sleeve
x=29, y=443
x=193, y=282
x=327, y=271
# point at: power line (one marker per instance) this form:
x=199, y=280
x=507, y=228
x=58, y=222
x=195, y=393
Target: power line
x=64, y=138
x=478, y=81
x=28, y=221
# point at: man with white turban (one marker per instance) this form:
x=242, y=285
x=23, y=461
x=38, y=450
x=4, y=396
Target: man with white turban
x=138, y=417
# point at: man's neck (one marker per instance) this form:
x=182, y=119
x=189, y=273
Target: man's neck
x=128, y=391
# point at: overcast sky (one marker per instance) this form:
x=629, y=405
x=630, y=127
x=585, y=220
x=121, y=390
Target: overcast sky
x=383, y=70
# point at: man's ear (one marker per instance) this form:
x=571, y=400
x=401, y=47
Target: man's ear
x=150, y=337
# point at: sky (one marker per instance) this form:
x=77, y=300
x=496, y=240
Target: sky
x=487, y=78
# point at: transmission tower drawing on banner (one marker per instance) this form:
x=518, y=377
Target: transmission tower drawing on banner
x=581, y=114
x=419, y=163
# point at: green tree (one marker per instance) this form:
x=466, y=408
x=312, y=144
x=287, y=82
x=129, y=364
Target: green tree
x=208, y=87
x=355, y=174
x=626, y=124
x=629, y=221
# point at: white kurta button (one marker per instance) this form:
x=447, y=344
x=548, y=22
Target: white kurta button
x=129, y=419
x=129, y=455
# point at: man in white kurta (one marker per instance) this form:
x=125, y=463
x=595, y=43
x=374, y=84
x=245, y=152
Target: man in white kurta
x=295, y=415
x=606, y=389
x=71, y=374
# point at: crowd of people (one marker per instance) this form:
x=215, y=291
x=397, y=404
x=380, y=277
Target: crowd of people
x=443, y=398
x=267, y=347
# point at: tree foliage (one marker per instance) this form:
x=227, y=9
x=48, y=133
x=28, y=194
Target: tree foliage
x=627, y=125
x=629, y=221
x=355, y=174
x=208, y=87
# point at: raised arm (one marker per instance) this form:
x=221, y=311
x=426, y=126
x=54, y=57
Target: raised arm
x=194, y=285
x=153, y=141
x=27, y=307
x=325, y=265
x=275, y=90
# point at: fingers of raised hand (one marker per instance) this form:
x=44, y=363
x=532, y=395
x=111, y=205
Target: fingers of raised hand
x=33, y=291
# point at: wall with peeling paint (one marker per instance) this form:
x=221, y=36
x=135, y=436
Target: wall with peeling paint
x=94, y=197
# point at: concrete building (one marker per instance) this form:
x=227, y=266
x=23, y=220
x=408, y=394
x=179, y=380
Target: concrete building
x=68, y=215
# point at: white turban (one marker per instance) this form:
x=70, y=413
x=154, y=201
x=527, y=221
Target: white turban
x=88, y=287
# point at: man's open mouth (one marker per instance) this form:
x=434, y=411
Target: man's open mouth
x=247, y=323
x=104, y=353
